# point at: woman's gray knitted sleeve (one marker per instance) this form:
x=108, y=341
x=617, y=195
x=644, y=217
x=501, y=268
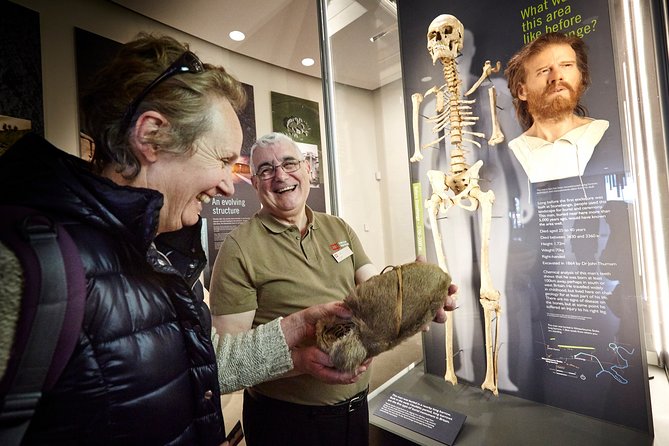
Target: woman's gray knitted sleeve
x=252, y=357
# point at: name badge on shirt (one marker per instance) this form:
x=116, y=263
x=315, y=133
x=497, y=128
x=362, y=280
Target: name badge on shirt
x=342, y=254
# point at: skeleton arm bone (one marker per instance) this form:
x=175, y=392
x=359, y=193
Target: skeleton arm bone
x=496, y=136
x=487, y=71
x=416, y=100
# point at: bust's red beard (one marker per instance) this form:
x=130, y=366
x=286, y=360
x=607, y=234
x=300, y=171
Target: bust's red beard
x=543, y=108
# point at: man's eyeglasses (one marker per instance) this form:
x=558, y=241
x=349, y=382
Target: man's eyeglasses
x=268, y=171
x=188, y=62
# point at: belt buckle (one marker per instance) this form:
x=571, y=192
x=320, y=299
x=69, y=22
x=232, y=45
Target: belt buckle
x=355, y=402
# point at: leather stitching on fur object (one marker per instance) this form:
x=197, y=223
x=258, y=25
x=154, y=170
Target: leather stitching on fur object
x=387, y=309
x=400, y=298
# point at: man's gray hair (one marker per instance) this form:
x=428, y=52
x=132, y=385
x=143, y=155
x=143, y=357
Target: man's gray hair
x=271, y=140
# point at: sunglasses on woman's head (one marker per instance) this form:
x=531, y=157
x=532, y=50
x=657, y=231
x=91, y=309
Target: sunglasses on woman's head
x=188, y=62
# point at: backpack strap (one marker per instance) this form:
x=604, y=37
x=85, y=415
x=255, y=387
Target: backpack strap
x=53, y=274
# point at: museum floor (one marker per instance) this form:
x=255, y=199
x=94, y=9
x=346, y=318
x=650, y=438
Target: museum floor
x=387, y=365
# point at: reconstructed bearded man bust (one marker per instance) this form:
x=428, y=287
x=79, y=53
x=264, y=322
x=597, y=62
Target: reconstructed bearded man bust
x=547, y=79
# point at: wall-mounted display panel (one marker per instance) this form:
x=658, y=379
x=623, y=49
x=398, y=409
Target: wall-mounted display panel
x=561, y=253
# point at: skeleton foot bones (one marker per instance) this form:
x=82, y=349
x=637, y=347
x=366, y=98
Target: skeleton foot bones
x=460, y=186
x=387, y=309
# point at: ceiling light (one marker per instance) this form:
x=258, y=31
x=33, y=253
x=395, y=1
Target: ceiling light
x=384, y=33
x=308, y=61
x=237, y=36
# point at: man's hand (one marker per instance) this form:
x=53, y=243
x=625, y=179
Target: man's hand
x=313, y=361
x=449, y=303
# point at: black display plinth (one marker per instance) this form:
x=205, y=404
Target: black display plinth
x=503, y=420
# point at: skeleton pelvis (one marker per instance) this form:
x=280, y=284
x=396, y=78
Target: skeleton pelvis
x=387, y=309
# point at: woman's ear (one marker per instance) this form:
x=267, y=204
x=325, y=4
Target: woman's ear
x=147, y=127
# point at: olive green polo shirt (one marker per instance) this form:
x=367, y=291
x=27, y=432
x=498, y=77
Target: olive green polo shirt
x=266, y=266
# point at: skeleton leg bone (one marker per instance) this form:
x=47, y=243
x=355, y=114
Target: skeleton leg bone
x=491, y=312
x=489, y=295
x=441, y=202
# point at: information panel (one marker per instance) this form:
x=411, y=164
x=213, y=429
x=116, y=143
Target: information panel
x=561, y=247
x=426, y=419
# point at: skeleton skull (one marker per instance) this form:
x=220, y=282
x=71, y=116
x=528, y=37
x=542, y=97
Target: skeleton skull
x=445, y=37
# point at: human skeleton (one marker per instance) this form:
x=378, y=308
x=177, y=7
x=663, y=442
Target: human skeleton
x=454, y=117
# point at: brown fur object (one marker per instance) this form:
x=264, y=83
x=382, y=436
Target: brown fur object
x=387, y=309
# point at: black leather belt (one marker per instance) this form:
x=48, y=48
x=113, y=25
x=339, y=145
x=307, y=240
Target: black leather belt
x=352, y=403
x=342, y=408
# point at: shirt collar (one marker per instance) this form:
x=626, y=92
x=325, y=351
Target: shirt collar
x=566, y=157
x=275, y=226
x=573, y=137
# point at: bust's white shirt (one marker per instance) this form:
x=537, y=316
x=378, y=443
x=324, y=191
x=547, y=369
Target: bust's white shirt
x=566, y=157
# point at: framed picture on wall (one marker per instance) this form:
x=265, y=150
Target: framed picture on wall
x=299, y=118
x=11, y=130
x=21, y=103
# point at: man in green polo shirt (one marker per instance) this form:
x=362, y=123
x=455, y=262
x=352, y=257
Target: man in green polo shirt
x=286, y=258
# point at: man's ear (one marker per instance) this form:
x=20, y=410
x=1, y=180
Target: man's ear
x=147, y=127
x=522, y=93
